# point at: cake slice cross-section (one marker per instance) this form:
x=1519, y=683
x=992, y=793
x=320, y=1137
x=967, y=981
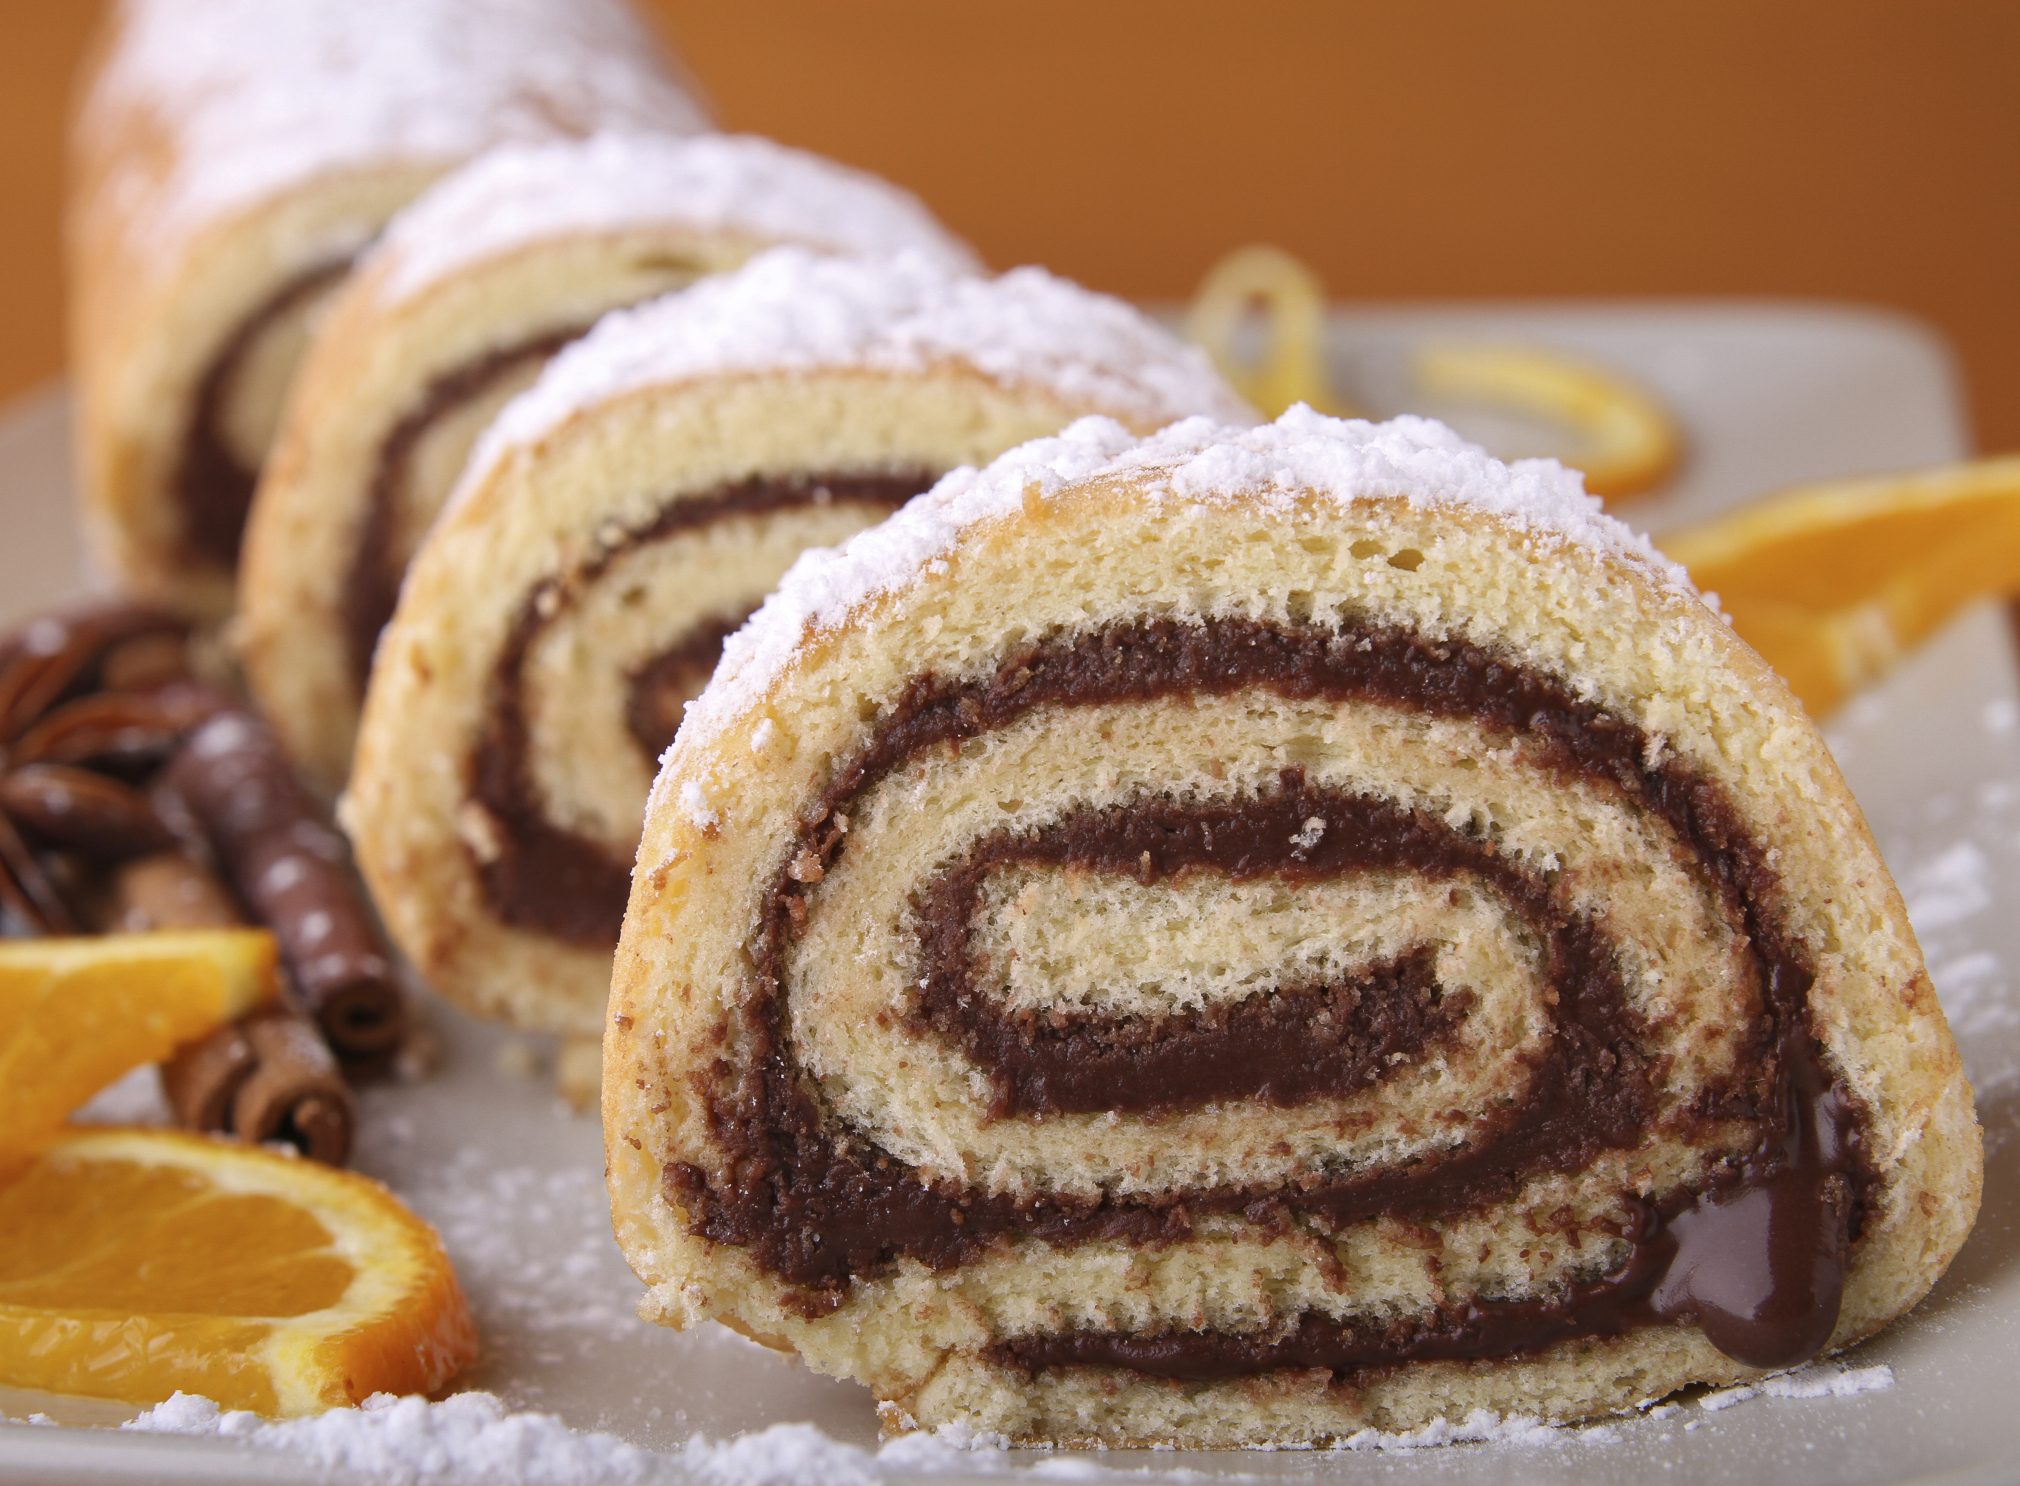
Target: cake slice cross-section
x=1243, y=936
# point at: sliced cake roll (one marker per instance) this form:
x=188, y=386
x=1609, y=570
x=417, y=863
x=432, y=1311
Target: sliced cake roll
x=230, y=159
x=1248, y=936
x=622, y=517
x=457, y=308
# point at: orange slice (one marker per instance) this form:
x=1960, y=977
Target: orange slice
x=77, y=1013
x=1623, y=439
x=1835, y=582
x=134, y=1263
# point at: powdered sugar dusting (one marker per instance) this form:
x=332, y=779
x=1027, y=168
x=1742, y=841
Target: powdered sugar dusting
x=1196, y=461
x=264, y=96
x=718, y=184
x=694, y=804
x=795, y=311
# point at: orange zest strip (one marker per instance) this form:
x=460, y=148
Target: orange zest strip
x=1623, y=439
x=1626, y=442
x=1292, y=365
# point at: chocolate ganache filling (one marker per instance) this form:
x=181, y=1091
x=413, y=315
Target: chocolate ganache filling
x=1756, y=1256
x=544, y=876
x=212, y=486
x=372, y=590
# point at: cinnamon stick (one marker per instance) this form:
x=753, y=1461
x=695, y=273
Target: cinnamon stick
x=169, y=890
x=294, y=1091
x=294, y=871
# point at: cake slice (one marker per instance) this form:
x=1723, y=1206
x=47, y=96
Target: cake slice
x=623, y=516
x=1244, y=936
x=453, y=312
x=230, y=160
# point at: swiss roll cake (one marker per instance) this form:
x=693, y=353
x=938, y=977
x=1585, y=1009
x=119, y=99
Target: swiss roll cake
x=455, y=310
x=625, y=514
x=1241, y=936
x=230, y=160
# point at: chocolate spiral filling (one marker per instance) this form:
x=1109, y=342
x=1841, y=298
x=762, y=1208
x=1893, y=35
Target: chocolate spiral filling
x=212, y=486
x=1283, y=1048
x=1756, y=1256
x=543, y=876
x=661, y=687
x=372, y=589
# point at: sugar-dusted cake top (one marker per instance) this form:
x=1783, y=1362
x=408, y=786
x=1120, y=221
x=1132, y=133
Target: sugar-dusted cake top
x=791, y=310
x=519, y=194
x=1198, y=461
x=258, y=96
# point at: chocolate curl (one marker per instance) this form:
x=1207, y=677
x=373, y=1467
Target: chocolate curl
x=268, y=1076
x=294, y=871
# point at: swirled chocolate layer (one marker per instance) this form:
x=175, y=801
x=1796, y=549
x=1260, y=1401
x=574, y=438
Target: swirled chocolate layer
x=372, y=589
x=212, y=487
x=817, y=1204
x=544, y=876
x=660, y=688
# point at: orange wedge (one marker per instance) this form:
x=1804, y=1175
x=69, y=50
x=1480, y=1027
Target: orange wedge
x=1835, y=582
x=77, y=1013
x=1623, y=439
x=134, y=1263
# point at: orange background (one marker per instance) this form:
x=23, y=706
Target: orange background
x=1845, y=149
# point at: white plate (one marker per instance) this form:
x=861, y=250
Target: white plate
x=1769, y=394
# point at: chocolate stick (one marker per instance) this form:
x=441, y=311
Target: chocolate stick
x=294, y=871
x=268, y=1076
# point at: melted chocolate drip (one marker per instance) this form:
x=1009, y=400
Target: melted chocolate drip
x=372, y=590
x=818, y=1206
x=546, y=877
x=1757, y=1261
x=213, y=488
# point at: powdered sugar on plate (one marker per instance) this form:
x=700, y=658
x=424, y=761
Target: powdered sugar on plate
x=259, y=97
x=468, y=1437
x=790, y=310
x=715, y=184
x=472, y=1439
x=1414, y=459
x=1825, y=1380
x=134, y=1098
